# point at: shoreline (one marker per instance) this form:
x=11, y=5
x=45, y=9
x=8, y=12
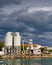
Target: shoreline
x=25, y=56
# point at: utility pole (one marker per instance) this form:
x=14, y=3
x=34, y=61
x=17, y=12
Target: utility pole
x=23, y=45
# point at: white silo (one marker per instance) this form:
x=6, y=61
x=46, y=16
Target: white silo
x=12, y=43
x=8, y=43
x=8, y=39
x=17, y=42
x=17, y=39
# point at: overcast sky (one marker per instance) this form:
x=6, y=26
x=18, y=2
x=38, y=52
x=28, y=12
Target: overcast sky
x=32, y=18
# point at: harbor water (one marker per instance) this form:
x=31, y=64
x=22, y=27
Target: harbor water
x=36, y=61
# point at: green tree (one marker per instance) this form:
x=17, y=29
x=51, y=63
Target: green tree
x=50, y=50
x=1, y=45
x=22, y=48
x=42, y=49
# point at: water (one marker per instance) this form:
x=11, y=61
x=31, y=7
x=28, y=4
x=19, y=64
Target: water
x=45, y=61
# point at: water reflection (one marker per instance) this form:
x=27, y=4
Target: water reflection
x=13, y=62
x=18, y=62
x=26, y=62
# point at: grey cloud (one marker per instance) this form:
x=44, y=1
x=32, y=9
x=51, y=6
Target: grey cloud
x=23, y=3
x=7, y=2
x=34, y=23
x=38, y=2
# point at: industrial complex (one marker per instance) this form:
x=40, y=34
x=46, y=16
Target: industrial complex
x=13, y=45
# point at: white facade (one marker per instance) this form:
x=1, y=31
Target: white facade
x=36, y=50
x=8, y=39
x=49, y=48
x=1, y=53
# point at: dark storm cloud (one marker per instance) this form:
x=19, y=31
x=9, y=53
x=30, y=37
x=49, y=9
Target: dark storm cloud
x=27, y=2
x=35, y=20
x=7, y=2
x=32, y=18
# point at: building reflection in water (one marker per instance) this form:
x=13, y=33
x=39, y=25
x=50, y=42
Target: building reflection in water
x=19, y=62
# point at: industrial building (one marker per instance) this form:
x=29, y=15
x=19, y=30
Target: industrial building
x=34, y=48
x=12, y=43
x=37, y=50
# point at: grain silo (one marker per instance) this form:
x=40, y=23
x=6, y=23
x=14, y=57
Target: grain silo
x=17, y=42
x=8, y=43
x=12, y=43
x=8, y=39
x=17, y=39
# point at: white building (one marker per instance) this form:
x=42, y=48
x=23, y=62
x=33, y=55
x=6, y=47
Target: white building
x=34, y=48
x=2, y=52
x=49, y=48
x=12, y=43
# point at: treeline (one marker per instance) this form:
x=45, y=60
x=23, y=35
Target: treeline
x=1, y=45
